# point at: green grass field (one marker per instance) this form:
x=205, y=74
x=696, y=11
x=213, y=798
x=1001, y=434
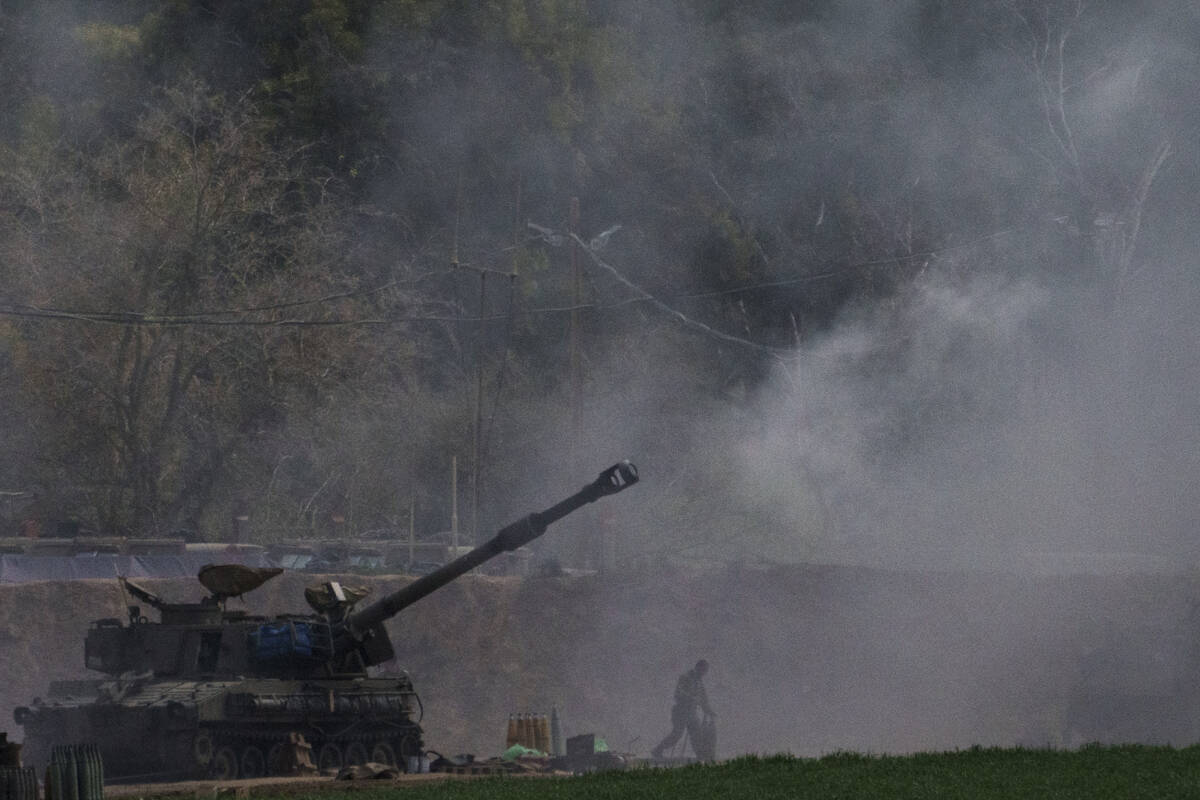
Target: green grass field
x=1092, y=773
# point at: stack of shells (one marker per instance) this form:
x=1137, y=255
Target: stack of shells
x=18, y=783
x=76, y=772
x=530, y=730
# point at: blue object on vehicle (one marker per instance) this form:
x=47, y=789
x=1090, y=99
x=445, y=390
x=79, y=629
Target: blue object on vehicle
x=282, y=640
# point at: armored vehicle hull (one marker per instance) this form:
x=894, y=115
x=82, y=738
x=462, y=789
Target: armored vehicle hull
x=209, y=691
x=153, y=730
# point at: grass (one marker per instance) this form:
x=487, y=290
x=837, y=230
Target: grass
x=1094, y=773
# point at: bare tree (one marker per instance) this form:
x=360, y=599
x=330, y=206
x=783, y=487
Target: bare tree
x=163, y=260
x=1072, y=77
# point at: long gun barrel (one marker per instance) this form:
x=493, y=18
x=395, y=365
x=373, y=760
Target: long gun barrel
x=612, y=480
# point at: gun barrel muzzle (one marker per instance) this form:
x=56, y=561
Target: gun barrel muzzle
x=617, y=477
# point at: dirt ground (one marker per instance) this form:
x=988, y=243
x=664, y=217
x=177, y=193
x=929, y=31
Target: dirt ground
x=275, y=787
x=808, y=659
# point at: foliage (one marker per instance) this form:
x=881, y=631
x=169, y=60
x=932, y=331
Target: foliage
x=265, y=224
x=1092, y=772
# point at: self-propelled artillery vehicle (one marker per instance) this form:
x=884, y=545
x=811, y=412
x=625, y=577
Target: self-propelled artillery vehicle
x=212, y=692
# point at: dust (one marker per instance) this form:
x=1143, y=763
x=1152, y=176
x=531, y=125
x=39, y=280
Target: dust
x=807, y=659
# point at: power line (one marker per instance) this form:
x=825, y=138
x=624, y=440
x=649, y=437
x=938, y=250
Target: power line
x=237, y=317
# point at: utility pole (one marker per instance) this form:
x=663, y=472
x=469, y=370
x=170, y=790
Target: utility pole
x=454, y=263
x=454, y=504
x=576, y=378
x=585, y=543
x=477, y=426
x=412, y=530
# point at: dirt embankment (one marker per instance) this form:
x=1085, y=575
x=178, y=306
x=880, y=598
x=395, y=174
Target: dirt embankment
x=807, y=659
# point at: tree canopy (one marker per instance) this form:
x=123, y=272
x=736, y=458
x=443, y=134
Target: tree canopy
x=294, y=255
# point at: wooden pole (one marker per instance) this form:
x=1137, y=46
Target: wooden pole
x=412, y=531
x=478, y=422
x=454, y=504
x=576, y=376
x=576, y=298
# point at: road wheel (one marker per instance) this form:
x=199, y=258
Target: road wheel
x=382, y=753
x=329, y=757
x=202, y=749
x=275, y=759
x=356, y=753
x=253, y=764
x=409, y=748
x=224, y=765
